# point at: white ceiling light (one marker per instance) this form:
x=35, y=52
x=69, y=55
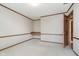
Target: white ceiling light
x=34, y=4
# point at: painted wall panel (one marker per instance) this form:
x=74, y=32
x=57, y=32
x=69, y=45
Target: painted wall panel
x=36, y=26
x=53, y=25
x=76, y=21
x=53, y=38
x=12, y=23
x=76, y=28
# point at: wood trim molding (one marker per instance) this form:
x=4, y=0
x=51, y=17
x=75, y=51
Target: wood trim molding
x=75, y=53
x=36, y=33
x=14, y=11
x=14, y=35
x=50, y=42
x=50, y=34
x=52, y=14
x=76, y=38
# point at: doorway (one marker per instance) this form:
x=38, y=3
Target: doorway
x=68, y=30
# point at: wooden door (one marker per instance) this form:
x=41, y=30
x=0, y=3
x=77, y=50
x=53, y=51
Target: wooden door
x=66, y=30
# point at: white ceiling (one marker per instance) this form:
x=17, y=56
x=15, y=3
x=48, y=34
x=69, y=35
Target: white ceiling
x=42, y=9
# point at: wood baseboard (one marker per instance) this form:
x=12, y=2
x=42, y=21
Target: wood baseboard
x=75, y=53
x=76, y=38
x=51, y=42
x=50, y=34
x=36, y=38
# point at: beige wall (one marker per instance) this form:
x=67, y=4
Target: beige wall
x=53, y=25
x=76, y=28
x=36, y=26
x=12, y=23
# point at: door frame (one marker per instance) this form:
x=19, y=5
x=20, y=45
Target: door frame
x=70, y=17
x=66, y=29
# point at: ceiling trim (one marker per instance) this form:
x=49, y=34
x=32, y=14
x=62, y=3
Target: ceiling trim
x=70, y=7
x=53, y=14
x=15, y=11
